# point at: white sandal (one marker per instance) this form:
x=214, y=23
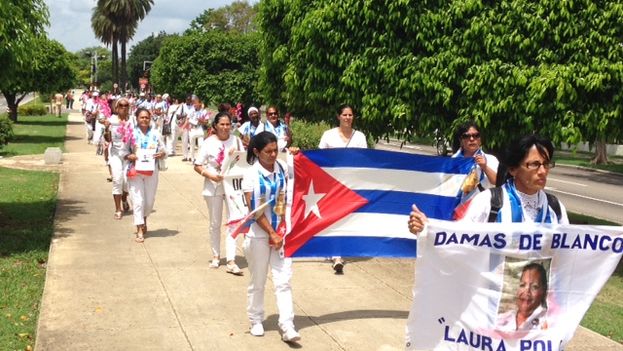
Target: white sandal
x=215, y=263
x=234, y=269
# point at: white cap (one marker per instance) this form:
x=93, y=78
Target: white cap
x=96, y=93
x=251, y=109
x=141, y=94
x=165, y=96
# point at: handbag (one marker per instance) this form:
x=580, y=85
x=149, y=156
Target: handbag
x=162, y=164
x=131, y=171
x=166, y=129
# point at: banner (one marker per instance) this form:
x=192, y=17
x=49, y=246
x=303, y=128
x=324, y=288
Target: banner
x=496, y=286
x=356, y=202
x=233, y=169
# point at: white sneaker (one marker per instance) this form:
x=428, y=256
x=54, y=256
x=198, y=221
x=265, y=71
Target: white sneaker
x=290, y=335
x=215, y=263
x=257, y=329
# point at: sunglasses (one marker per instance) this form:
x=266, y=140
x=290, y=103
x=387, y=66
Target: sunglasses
x=469, y=136
x=273, y=113
x=123, y=105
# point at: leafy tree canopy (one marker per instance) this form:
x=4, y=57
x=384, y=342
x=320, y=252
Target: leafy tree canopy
x=146, y=50
x=22, y=23
x=555, y=67
x=239, y=16
x=216, y=66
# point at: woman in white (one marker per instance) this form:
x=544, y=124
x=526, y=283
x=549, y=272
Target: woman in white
x=196, y=120
x=184, y=127
x=265, y=181
x=145, y=148
x=342, y=136
x=484, y=173
x=118, y=131
x=274, y=125
x=208, y=165
x=171, y=116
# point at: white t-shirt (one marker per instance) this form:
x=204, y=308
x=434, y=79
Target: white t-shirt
x=119, y=147
x=211, y=156
x=331, y=139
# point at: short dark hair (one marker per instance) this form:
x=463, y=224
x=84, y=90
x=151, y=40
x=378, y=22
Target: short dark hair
x=518, y=150
x=218, y=117
x=462, y=129
x=341, y=108
x=259, y=142
x=141, y=109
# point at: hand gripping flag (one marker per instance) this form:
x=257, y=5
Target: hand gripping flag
x=356, y=202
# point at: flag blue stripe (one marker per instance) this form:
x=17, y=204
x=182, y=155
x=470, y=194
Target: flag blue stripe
x=367, y=158
x=358, y=247
x=399, y=202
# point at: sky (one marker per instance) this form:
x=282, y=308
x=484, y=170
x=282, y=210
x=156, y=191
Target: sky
x=70, y=20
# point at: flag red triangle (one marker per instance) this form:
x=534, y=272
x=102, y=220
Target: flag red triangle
x=314, y=186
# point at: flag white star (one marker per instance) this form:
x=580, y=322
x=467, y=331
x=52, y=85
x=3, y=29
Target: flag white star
x=311, y=201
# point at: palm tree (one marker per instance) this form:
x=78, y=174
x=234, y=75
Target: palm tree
x=107, y=32
x=125, y=14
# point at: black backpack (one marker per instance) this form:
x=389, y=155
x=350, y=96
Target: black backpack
x=496, y=203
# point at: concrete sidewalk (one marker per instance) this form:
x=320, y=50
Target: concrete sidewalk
x=105, y=292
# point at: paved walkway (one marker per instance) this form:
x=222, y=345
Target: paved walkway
x=105, y=292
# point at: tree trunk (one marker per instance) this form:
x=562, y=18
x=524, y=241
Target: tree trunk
x=115, y=59
x=601, y=156
x=12, y=105
x=124, y=74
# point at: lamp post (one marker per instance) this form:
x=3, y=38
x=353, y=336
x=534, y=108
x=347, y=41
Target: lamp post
x=94, y=58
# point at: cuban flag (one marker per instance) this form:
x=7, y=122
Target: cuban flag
x=356, y=202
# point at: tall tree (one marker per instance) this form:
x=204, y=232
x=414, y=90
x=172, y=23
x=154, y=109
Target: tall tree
x=23, y=22
x=515, y=66
x=125, y=14
x=107, y=32
x=238, y=16
x=50, y=72
x=145, y=50
x=216, y=66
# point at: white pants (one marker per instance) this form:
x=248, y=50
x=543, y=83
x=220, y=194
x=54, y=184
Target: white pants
x=97, y=134
x=259, y=256
x=196, y=138
x=176, y=132
x=117, y=168
x=143, y=194
x=89, y=131
x=215, y=210
x=185, y=143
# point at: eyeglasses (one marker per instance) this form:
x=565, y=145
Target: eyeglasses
x=123, y=105
x=534, y=165
x=469, y=136
x=273, y=113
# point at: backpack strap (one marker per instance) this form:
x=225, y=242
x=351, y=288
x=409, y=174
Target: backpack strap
x=496, y=203
x=552, y=201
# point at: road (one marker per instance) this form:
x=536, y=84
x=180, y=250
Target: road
x=583, y=191
x=3, y=105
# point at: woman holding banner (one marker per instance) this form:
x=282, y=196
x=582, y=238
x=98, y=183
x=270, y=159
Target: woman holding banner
x=208, y=165
x=522, y=196
x=484, y=173
x=265, y=183
x=343, y=136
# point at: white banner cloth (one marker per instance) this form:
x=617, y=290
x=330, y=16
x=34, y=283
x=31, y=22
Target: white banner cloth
x=474, y=289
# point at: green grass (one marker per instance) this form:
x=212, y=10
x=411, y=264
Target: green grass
x=605, y=316
x=34, y=134
x=26, y=216
x=583, y=159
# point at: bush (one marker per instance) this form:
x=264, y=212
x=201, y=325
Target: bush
x=306, y=135
x=33, y=110
x=6, y=130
